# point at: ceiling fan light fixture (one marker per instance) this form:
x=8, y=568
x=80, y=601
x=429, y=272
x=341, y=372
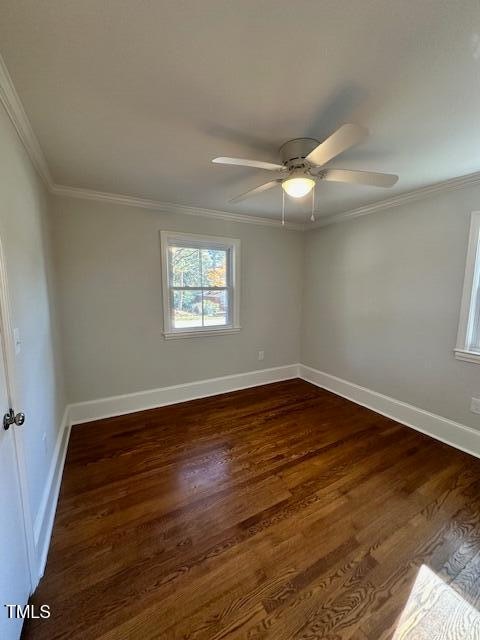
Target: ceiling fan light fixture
x=303, y=161
x=298, y=187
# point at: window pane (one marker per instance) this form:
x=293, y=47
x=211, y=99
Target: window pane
x=215, y=308
x=187, y=309
x=214, y=267
x=185, y=267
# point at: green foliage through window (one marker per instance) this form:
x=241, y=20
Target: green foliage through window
x=199, y=282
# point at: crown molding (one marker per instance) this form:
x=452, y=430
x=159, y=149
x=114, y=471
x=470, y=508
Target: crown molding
x=14, y=108
x=404, y=198
x=452, y=184
x=167, y=207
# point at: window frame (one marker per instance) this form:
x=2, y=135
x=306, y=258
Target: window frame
x=232, y=245
x=469, y=322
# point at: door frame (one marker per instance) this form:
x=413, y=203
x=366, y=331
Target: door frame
x=8, y=354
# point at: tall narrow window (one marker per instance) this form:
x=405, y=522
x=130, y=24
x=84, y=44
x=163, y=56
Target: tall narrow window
x=201, y=284
x=468, y=342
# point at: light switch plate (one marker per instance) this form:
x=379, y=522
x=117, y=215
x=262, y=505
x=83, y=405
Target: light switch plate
x=475, y=405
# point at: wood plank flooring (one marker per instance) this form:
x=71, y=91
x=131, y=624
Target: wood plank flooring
x=277, y=512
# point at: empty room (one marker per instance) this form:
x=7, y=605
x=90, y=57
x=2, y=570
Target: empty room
x=240, y=319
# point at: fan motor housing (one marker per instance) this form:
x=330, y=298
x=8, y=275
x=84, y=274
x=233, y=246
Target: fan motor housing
x=294, y=152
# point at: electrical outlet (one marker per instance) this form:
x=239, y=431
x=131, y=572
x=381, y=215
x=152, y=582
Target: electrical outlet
x=475, y=405
x=261, y=355
x=17, y=341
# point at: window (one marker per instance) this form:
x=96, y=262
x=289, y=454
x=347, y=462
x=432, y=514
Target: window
x=201, y=285
x=468, y=342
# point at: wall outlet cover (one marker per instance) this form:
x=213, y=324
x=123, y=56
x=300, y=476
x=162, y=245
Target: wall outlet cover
x=17, y=341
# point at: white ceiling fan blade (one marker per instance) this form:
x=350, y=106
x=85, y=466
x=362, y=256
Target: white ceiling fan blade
x=253, y=192
x=257, y=164
x=347, y=136
x=370, y=178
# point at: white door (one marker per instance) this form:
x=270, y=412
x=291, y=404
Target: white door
x=15, y=582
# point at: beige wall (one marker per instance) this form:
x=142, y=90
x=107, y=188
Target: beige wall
x=382, y=299
x=380, y=305
x=25, y=236
x=108, y=265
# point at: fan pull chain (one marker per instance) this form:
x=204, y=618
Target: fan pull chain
x=283, y=208
x=312, y=217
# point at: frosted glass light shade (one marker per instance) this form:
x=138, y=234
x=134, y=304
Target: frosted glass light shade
x=298, y=187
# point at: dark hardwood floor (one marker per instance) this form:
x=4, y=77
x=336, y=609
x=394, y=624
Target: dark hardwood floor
x=277, y=512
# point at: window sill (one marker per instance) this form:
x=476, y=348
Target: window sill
x=467, y=356
x=207, y=333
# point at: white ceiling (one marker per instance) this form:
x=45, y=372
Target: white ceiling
x=137, y=97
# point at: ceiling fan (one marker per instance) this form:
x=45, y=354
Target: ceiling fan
x=303, y=161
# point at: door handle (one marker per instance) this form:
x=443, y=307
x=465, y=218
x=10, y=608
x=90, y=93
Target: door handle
x=12, y=418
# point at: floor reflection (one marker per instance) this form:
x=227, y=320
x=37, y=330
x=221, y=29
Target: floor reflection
x=436, y=610
x=205, y=470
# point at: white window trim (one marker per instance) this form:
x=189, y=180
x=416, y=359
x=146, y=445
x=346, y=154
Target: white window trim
x=167, y=238
x=470, y=287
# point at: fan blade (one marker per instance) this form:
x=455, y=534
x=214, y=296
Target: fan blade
x=360, y=177
x=252, y=192
x=257, y=164
x=347, y=136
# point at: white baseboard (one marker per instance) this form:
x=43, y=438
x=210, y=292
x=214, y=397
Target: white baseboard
x=131, y=402
x=453, y=433
x=43, y=525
